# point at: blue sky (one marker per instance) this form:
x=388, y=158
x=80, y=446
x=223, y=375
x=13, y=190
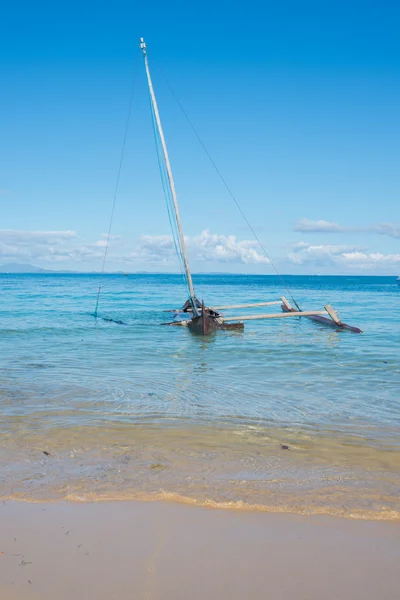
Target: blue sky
x=298, y=103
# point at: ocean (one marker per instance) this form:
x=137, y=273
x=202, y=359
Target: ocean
x=150, y=412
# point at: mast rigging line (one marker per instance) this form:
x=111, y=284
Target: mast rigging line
x=168, y=169
x=168, y=198
x=117, y=183
x=228, y=188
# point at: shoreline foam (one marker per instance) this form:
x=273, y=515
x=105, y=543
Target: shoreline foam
x=205, y=466
x=237, y=506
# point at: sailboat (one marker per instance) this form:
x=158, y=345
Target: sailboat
x=205, y=320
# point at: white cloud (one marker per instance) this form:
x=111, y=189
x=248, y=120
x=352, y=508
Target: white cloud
x=339, y=256
x=387, y=229
x=321, y=226
x=154, y=248
x=48, y=246
x=225, y=248
x=372, y=259
x=65, y=246
x=206, y=247
x=317, y=226
x=321, y=255
x=111, y=237
x=21, y=237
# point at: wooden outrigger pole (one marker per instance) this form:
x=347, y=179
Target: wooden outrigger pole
x=333, y=321
x=327, y=316
x=206, y=320
x=288, y=311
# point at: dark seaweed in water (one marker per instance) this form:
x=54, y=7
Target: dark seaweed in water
x=113, y=321
x=109, y=319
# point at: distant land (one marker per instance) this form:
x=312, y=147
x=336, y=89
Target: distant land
x=20, y=268
x=27, y=268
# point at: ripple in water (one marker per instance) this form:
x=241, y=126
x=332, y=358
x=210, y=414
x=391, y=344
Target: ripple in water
x=153, y=412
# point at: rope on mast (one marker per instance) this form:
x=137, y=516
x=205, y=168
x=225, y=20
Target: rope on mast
x=229, y=190
x=182, y=245
x=116, y=188
x=168, y=199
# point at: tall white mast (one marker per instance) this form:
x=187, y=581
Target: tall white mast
x=170, y=177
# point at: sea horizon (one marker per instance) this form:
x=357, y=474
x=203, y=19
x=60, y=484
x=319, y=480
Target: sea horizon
x=44, y=271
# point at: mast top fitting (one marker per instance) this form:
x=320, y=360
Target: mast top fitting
x=142, y=45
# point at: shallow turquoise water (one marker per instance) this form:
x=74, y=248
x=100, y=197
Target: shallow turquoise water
x=200, y=418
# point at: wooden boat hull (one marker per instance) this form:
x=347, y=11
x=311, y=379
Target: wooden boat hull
x=203, y=324
x=326, y=321
x=199, y=329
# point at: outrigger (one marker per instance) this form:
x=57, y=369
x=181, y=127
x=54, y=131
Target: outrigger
x=206, y=320
x=210, y=319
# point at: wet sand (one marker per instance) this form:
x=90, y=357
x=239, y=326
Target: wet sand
x=271, y=469
x=154, y=551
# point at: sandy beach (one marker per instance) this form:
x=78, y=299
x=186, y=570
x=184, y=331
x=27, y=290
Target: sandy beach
x=200, y=301
x=152, y=551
